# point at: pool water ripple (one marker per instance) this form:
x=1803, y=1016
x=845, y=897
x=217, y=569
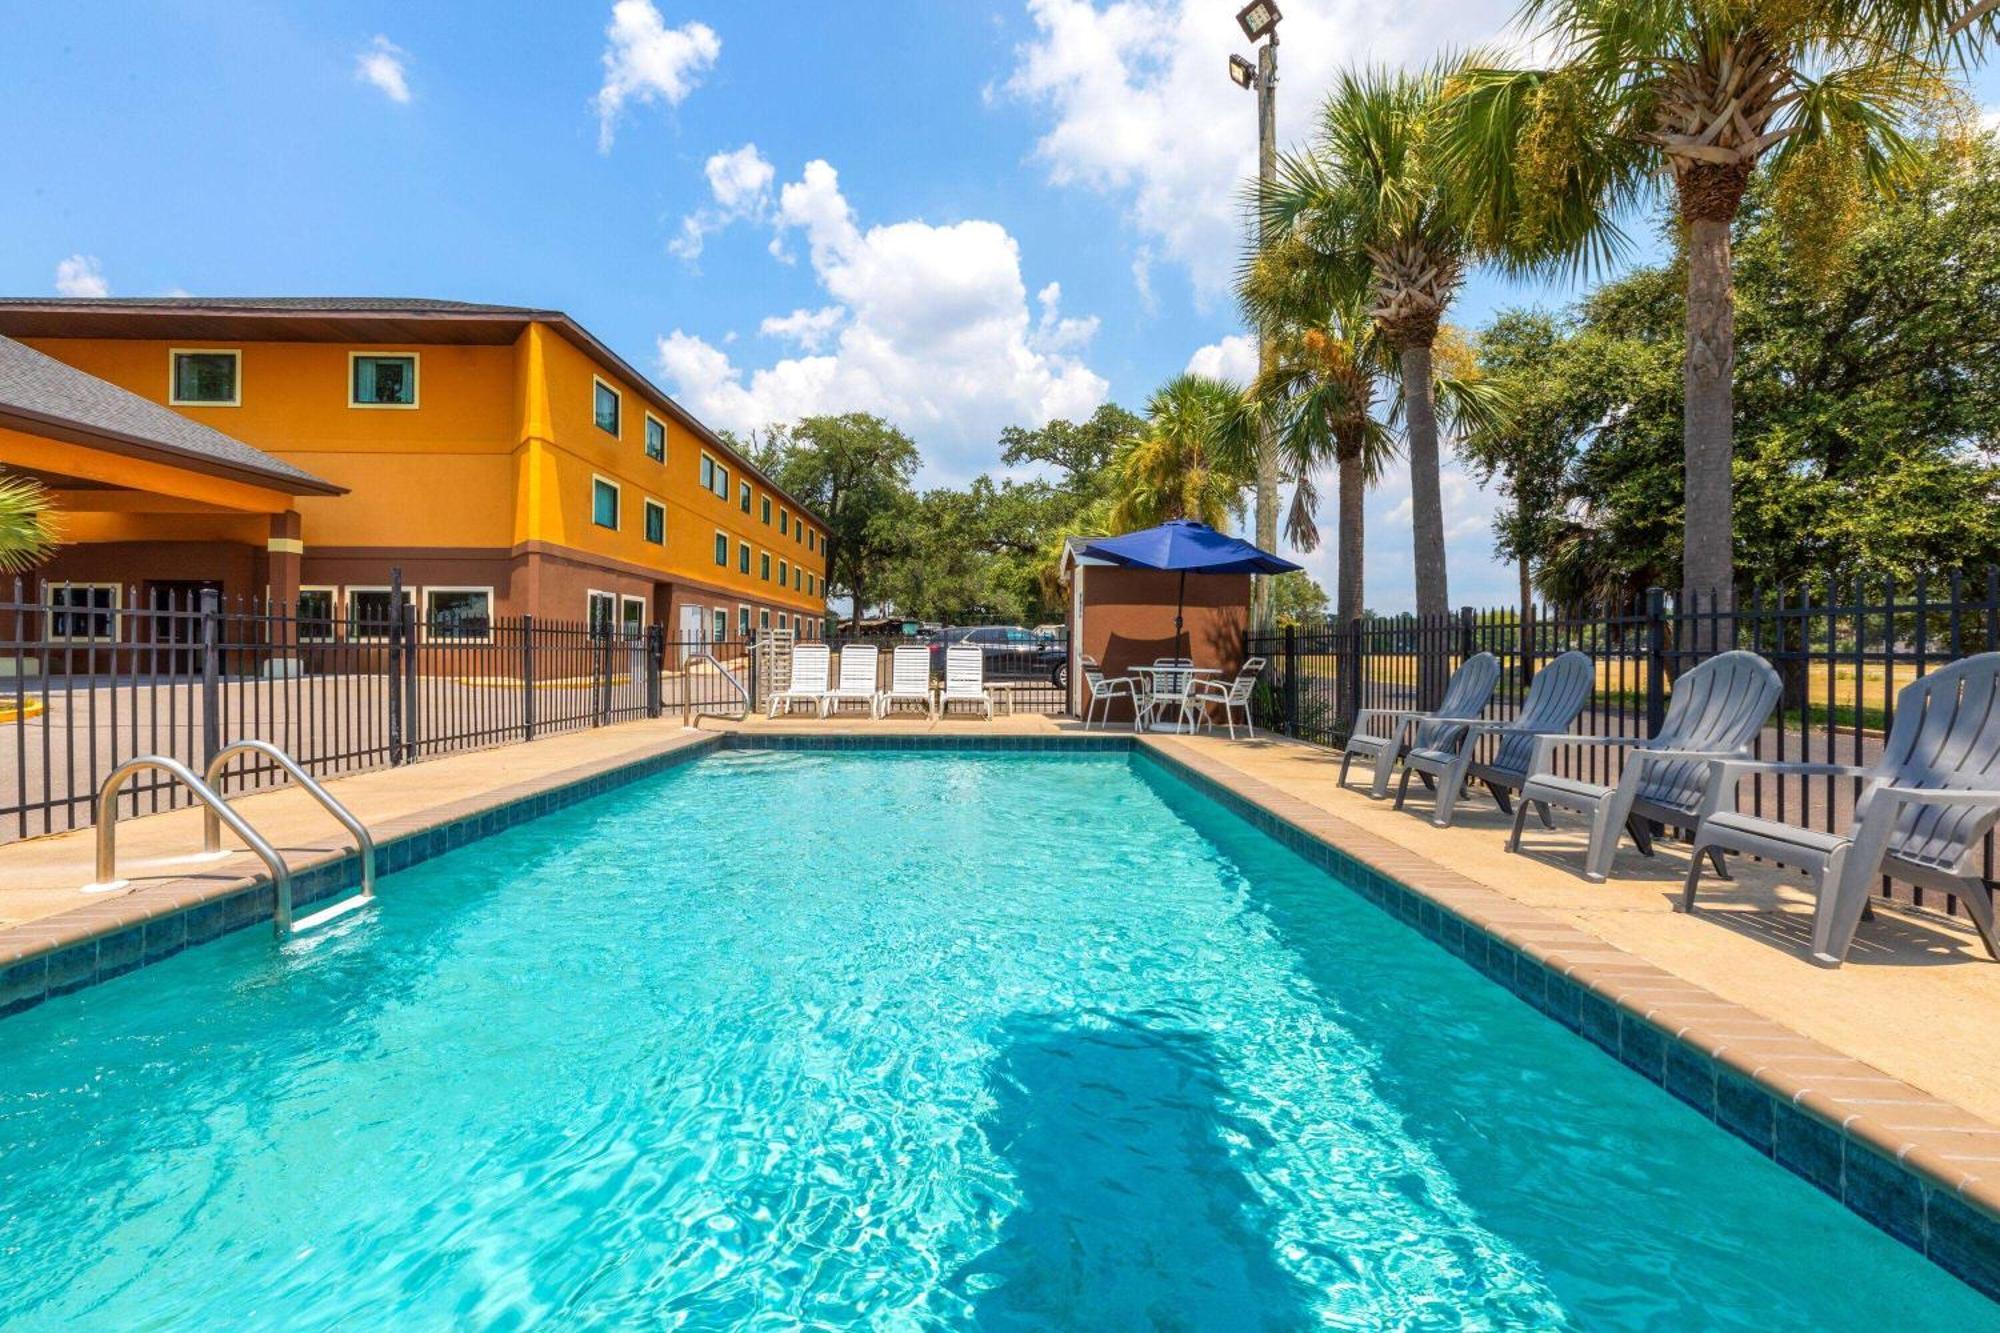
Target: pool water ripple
x=911, y=1041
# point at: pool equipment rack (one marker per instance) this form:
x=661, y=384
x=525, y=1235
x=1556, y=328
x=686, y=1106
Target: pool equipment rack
x=217, y=812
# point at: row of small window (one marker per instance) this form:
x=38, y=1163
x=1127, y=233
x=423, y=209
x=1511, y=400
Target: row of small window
x=213, y=377
x=715, y=480
x=90, y=612
x=802, y=627
x=795, y=577
x=604, y=512
x=606, y=410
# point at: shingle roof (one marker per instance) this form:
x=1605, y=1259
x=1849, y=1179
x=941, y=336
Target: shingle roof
x=42, y=388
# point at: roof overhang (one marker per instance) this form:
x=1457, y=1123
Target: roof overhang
x=30, y=422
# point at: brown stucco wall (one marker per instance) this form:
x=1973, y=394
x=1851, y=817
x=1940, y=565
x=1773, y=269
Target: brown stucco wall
x=1128, y=619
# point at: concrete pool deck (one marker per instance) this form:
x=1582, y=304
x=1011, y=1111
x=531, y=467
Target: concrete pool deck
x=1895, y=1051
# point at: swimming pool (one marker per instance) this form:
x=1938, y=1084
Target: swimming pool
x=931, y=1039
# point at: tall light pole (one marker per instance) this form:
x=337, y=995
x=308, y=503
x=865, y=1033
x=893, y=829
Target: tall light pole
x=1259, y=21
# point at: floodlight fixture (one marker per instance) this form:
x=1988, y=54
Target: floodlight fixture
x=1242, y=72
x=1258, y=19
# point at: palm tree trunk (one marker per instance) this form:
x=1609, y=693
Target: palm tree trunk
x=1707, y=560
x=1426, y=523
x=1267, y=514
x=1348, y=586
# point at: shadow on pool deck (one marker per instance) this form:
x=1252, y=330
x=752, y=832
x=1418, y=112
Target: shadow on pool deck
x=1133, y=1214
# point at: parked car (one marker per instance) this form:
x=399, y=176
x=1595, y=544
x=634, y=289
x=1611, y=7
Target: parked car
x=1011, y=653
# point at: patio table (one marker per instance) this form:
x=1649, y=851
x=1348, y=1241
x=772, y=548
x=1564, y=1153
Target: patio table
x=1153, y=722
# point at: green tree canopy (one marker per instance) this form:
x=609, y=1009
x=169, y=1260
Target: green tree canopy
x=854, y=470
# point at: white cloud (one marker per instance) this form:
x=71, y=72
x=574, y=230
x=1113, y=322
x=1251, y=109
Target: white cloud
x=1234, y=358
x=1989, y=119
x=646, y=61
x=381, y=63
x=1142, y=109
x=927, y=325
x=808, y=328
x=739, y=183
x=81, y=275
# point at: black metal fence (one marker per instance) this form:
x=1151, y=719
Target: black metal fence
x=1028, y=675
x=1842, y=646
x=92, y=675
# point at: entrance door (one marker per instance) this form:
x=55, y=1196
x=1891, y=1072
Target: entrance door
x=693, y=630
x=175, y=627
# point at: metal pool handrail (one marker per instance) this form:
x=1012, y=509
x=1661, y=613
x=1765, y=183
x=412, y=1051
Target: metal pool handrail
x=107, y=829
x=211, y=835
x=705, y=654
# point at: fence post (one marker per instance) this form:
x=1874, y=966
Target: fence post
x=412, y=723
x=655, y=648
x=527, y=677
x=1291, y=680
x=211, y=676
x=1467, y=644
x=600, y=694
x=1656, y=659
x=757, y=649
x=395, y=665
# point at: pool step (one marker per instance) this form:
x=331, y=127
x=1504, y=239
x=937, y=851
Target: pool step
x=351, y=903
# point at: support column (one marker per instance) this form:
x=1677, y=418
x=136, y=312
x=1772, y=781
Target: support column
x=284, y=553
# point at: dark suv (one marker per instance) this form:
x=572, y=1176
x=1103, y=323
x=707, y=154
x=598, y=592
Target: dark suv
x=1011, y=653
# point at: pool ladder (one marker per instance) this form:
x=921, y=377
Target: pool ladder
x=217, y=812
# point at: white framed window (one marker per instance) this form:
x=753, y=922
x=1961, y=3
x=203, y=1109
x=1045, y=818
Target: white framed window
x=714, y=477
x=632, y=616
x=604, y=502
x=600, y=612
x=742, y=622
x=204, y=377
x=767, y=511
x=315, y=612
x=604, y=406
x=743, y=557
x=656, y=438
x=656, y=523
x=764, y=618
x=82, y=612
x=764, y=566
x=784, y=574
x=721, y=624
x=784, y=522
x=722, y=548
x=382, y=379
x=368, y=611
x=464, y=615
x=743, y=496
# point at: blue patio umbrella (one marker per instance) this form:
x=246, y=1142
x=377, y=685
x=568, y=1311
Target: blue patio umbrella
x=1190, y=547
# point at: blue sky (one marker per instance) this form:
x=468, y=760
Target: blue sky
x=959, y=215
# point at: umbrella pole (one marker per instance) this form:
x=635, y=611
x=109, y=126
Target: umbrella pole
x=1179, y=602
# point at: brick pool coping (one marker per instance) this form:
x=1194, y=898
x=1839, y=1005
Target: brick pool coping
x=1930, y=1179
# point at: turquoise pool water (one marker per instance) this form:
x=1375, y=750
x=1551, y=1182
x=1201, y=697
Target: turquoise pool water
x=897, y=1041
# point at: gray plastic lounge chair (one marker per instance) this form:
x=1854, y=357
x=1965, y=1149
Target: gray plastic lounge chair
x=1715, y=711
x=1465, y=698
x=1922, y=814
x=1555, y=699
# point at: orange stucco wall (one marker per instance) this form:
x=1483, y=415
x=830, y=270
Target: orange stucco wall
x=500, y=452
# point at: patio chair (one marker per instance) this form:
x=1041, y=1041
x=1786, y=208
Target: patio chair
x=1103, y=689
x=1229, y=697
x=965, y=679
x=909, y=681
x=858, y=682
x=1172, y=680
x=1922, y=814
x=1465, y=698
x=1555, y=699
x=1715, y=712
x=809, y=664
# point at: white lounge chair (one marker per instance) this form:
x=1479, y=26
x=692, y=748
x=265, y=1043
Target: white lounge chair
x=858, y=683
x=1922, y=815
x=809, y=664
x=965, y=679
x=1229, y=697
x=909, y=681
x=1103, y=689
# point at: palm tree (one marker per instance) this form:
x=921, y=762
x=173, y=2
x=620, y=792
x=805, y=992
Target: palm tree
x=1320, y=394
x=1192, y=459
x=27, y=524
x=1699, y=93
